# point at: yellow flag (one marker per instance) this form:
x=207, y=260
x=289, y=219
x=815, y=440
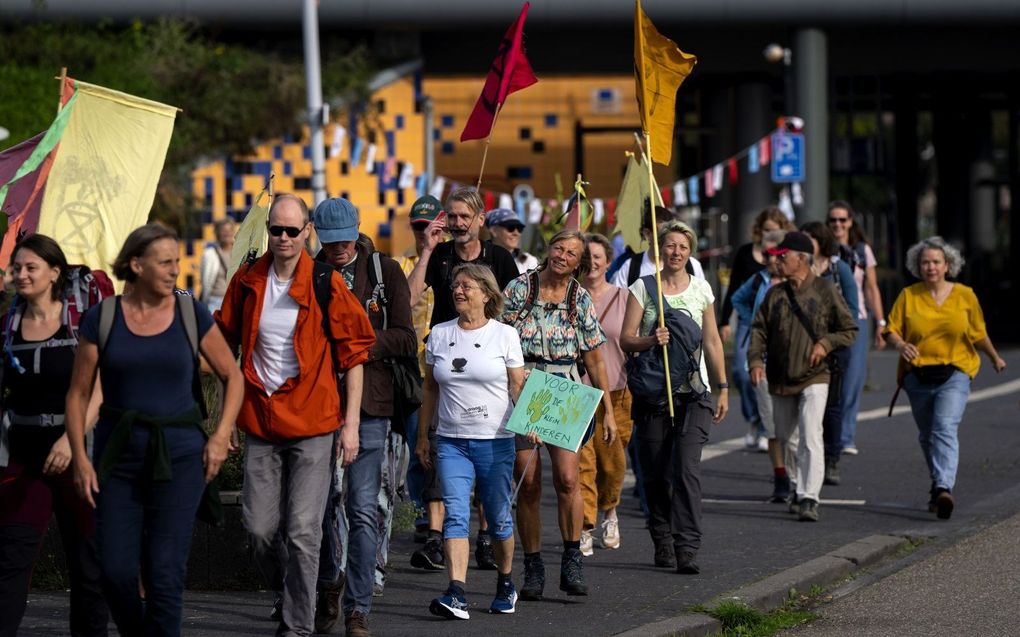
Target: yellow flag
x=660, y=67
x=630, y=205
x=252, y=238
x=104, y=176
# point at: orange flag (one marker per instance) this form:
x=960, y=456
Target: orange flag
x=660, y=67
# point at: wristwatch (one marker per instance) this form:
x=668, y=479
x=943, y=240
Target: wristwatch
x=882, y=323
x=723, y=386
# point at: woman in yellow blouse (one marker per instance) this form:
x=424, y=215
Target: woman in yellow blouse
x=937, y=327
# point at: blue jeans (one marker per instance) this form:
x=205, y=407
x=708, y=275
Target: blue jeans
x=742, y=377
x=938, y=410
x=853, y=382
x=415, y=479
x=146, y=526
x=364, y=478
x=488, y=465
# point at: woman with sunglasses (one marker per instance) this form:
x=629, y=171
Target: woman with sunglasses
x=506, y=229
x=558, y=326
x=855, y=250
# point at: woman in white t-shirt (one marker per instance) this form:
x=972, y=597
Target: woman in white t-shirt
x=474, y=372
x=856, y=252
x=670, y=453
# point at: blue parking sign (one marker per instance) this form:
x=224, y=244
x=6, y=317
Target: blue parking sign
x=787, y=157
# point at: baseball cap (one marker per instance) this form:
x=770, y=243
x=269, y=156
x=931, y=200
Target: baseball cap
x=795, y=242
x=425, y=209
x=336, y=220
x=502, y=217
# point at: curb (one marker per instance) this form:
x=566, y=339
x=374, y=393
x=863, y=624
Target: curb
x=773, y=591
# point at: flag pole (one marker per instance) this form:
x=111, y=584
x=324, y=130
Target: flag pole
x=60, y=91
x=488, y=140
x=658, y=273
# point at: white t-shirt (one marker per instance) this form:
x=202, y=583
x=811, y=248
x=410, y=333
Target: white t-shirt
x=525, y=261
x=869, y=261
x=274, y=357
x=648, y=267
x=694, y=299
x=470, y=368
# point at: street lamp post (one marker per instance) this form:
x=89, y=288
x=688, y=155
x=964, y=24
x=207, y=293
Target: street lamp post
x=776, y=53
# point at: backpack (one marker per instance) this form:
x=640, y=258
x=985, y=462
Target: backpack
x=404, y=370
x=84, y=288
x=188, y=311
x=646, y=372
x=532, y=297
x=854, y=256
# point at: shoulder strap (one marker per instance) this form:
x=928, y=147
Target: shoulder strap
x=799, y=312
x=573, y=289
x=378, y=285
x=634, y=268
x=107, y=312
x=322, y=286
x=189, y=318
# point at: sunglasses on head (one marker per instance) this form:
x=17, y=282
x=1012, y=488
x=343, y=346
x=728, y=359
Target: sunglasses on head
x=292, y=232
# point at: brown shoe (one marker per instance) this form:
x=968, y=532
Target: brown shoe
x=944, y=504
x=327, y=607
x=357, y=624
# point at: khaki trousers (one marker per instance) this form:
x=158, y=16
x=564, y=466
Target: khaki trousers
x=602, y=466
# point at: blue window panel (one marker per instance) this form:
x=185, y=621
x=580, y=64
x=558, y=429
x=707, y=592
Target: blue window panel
x=446, y=121
x=236, y=184
x=447, y=148
x=264, y=168
x=400, y=198
x=208, y=186
x=207, y=216
x=189, y=282
x=385, y=230
x=306, y=151
x=189, y=248
x=398, y=122
x=390, y=213
x=551, y=120
x=238, y=215
x=345, y=195
x=381, y=180
x=278, y=152
x=606, y=95
x=247, y=199
x=345, y=168
x=518, y=172
x=287, y=168
x=288, y=139
x=417, y=86
x=391, y=143
x=436, y=134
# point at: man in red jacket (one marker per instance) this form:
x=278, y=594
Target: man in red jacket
x=290, y=358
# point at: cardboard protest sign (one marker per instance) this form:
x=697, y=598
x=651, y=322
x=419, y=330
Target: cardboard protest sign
x=557, y=409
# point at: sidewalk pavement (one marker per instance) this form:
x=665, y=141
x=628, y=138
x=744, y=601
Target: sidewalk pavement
x=752, y=549
x=970, y=588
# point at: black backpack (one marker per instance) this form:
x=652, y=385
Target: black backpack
x=646, y=372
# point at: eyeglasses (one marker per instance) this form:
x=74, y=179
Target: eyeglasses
x=292, y=232
x=514, y=228
x=463, y=286
x=839, y=219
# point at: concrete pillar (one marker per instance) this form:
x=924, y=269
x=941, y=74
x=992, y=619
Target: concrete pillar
x=810, y=65
x=753, y=118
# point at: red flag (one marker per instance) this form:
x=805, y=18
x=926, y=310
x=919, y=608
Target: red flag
x=731, y=167
x=510, y=72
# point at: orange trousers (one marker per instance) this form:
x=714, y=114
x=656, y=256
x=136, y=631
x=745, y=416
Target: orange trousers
x=604, y=466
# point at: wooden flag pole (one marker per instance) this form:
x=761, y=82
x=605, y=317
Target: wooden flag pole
x=658, y=274
x=485, y=153
x=60, y=91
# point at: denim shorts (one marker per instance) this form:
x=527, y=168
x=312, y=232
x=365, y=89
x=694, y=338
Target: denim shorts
x=488, y=466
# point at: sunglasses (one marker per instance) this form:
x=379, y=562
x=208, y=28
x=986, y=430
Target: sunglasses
x=839, y=219
x=514, y=228
x=292, y=232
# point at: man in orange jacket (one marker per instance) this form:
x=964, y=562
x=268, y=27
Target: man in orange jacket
x=290, y=358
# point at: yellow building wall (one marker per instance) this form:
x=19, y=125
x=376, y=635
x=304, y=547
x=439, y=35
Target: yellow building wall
x=534, y=137
x=399, y=132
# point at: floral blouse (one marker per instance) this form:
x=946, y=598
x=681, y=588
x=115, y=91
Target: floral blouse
x=549, y=332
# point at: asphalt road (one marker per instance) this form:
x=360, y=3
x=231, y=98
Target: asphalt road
x=884, y=490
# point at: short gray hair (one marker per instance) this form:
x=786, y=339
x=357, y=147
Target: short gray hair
x=486, y=280
x=954, y=260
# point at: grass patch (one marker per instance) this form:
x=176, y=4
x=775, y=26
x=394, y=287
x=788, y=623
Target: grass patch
x=740, y=620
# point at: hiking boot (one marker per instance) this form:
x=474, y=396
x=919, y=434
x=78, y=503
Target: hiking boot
x=572, y=573
x=587, y=543
x=808, y=511
x=944, y=504
x=450, y=605
x=534, y=579
x=665, y=555
x=430, y=557
x=685, y=564
x=831, y=473
x=611, y=534
x=421, y=533
x=505, y=601
x=327, y=607
x=780, y=488
x=357, y=625
x=485, y=555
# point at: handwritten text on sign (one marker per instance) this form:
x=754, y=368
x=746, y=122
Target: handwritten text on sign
x=557, y=409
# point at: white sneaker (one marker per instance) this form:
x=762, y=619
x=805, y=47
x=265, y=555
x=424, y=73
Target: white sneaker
x=586, y=543
x=850, y=451
x=751, y=440
x=611, y=534
x=763, y=444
